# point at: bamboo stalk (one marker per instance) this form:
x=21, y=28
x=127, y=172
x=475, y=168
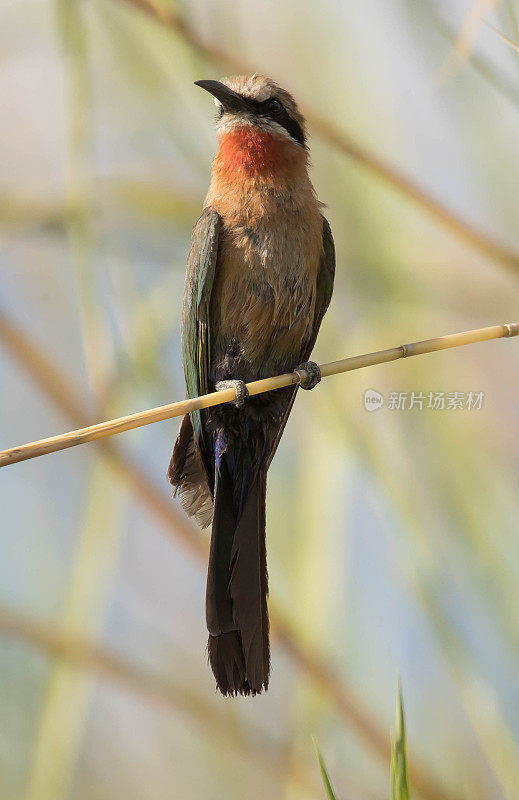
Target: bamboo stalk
x=141, y=418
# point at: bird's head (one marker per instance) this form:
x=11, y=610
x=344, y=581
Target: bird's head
x=259, y=125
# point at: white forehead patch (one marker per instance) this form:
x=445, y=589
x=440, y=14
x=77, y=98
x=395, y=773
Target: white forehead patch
x=259, y=93
x=217, y=102
x=253, y=88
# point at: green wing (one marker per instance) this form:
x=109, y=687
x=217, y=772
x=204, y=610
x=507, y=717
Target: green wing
x=201, y=265
x=325, y=278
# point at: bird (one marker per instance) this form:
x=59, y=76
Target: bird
x=259, y=280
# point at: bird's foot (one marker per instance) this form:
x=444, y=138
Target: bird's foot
x=239, y=387
x=309, y=374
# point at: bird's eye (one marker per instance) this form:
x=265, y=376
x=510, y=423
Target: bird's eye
x=274, y=105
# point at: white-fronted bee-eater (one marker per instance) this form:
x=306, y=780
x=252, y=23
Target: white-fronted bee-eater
x=259, y=279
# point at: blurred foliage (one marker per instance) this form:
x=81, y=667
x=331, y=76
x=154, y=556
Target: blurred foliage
x=398, y=767
x=392, y=534
x=399, y=787
x=324, y=774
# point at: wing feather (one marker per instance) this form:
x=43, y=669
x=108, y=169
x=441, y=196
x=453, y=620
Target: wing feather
x=196, y=344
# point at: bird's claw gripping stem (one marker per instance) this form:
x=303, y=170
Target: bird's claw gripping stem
x=239, y=387
x=309, y=374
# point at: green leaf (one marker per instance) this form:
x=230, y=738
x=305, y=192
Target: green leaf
x=399, y=787
x=324, y=772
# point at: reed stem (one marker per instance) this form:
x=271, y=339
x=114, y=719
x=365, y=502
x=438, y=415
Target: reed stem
x=137, y=420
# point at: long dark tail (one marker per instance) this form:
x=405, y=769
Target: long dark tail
x=237, y=588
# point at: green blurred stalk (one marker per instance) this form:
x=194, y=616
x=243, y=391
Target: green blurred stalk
x=74, y=36
x=60, y=729
x=330, y=794
x=59, y=732
x=399, y=786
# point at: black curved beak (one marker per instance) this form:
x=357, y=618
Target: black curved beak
x=231, y=101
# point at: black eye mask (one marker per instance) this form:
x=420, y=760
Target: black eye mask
x=277, y=113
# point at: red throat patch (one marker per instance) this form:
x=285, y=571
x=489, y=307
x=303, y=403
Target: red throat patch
x=250, y=152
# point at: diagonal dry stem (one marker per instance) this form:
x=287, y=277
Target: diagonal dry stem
x=55, y=384
x=503, y=37
x=496, y=78
x=152, y=688
x=466, y=39
x=459, y=227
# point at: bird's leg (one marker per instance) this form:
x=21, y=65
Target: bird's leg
x=309, y=374
x=239, y=387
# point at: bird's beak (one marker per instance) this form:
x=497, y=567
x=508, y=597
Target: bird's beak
x=231, y=101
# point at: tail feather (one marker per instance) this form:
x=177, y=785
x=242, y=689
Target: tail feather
x=219, y=610
x=237, y=587
x=226, y=659
x=248, y=586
